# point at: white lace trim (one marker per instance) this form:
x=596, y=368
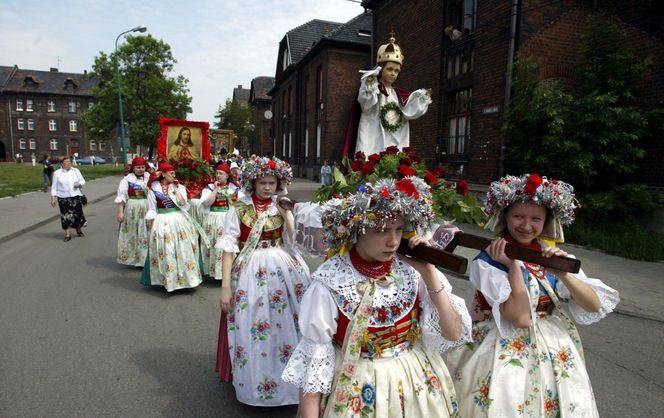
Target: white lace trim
x=430, y=321
x=311, y=367
x=608, y=297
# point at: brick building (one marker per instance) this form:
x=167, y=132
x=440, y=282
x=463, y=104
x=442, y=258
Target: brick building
x=260, y=100
x=315, y=84
x=467, y=68
x=40, y=113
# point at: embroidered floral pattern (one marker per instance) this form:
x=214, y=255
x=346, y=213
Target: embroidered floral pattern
x=266, y=389
x=563, y=361
x=514, y=350
x=481, y=398
x=260, y=330
x=285, y=352
x=278, y=301
x=240, y=359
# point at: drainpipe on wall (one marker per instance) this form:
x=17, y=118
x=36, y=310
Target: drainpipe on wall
x=508, y=82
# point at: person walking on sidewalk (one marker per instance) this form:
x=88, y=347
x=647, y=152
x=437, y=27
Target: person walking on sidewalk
x=526, y=357
x=132, y=207
x=47, y=172
x=66, y=191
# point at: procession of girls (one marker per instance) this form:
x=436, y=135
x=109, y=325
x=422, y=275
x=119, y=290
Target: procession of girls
x=372, y=333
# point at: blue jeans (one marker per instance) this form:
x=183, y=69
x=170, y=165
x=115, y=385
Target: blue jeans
x=47, y=181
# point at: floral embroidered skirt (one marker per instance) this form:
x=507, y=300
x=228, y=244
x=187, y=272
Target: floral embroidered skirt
x=71, y=212
x=174, y=252
x=539, y=373
x=413, y=384
x=133, y=235
x=196, y=211
x=213, y=225
x=262, y=329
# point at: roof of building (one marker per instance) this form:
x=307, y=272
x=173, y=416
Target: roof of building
x=357, y=30
x=260, y=86
x=47, y=82
x=302, y=38
x=241, y=94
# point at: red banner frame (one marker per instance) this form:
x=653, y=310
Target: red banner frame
x=162, y=142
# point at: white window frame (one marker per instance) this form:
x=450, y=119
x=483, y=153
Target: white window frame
x=53, y=144
x=22, y=144
x=71, y=106
x=51, y=106
x=92, y=144
x=73, y=126
x=91, y=105
x=102, y=145
x=32, y=144
x=29, y=106
x=20, y=124
x=31, y=124
x=52, y=125
x=19, y=105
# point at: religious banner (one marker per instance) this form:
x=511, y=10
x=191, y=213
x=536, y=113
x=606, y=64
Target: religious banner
x=183, y=139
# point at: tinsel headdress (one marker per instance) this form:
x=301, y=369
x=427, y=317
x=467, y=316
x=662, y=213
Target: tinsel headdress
x=258, y=167
x=555, y=195
x=374, y=206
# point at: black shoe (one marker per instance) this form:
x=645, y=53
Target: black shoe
x=68, y=238
x=79, y=232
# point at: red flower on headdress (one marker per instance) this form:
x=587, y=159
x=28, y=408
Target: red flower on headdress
x=406, y=186
x=406, y=170
x=533, y=182
x=375, y=158
x=367, y=168
x=430, y=178
x=359, y=155
x=385, y=192
x=392, y=149
x=272, y=164
x=356, y=165
x=462, y=187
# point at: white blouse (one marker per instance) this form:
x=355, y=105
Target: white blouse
x=123, y=194
x=311, y=366
x=63, y=182
x=152, y=199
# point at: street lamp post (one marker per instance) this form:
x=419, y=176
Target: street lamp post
x=117, y=78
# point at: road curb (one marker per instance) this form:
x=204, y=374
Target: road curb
x=47, y=220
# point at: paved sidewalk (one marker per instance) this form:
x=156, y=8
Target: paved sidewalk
x=641, y=284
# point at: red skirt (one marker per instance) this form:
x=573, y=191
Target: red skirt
x=223, y=367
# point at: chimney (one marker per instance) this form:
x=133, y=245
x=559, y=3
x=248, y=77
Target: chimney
x=54, y=70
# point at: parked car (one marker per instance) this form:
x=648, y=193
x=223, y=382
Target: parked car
x=86, y=160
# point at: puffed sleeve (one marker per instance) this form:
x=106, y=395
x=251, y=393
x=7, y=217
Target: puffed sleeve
x=204, y=195
x=417, y=104
x=430, y=319
x=311, y=366
x=608, y=297
x=183, y=192
x=228, y=242
x=123, y=194
x=368, y=96
x=495, y=286
x=152, y=206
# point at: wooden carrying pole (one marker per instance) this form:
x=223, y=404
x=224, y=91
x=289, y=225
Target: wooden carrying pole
x=568, y=264
x=434, y=256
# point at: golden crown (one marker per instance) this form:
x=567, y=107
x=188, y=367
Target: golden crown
x=390, y=52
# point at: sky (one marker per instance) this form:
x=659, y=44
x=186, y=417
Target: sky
x=219, y=44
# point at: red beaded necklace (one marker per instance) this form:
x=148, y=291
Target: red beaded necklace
x=164, y=189
x=370, y=268
x=260, y=204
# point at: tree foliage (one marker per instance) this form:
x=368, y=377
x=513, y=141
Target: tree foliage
x=588, y=133
x=149, y=90
x=237, y=116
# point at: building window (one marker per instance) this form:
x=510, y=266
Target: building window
x=28, y=106
x=458, y=121
x=21, y=143
x=306, y=143
x=93, y=145
x=31, y=125
x=290, y=145
x=19, y=105
x=462, y=15
x=53, y=144
x=51, y=106
x=318, y=135
x=319, y=84
x=33, y=143
x=73, y=126
x=72, y=107
x=283, y=145
x=460, y=61
x=91, y=105
x=52, y=125
x=20, y=124
x=102, y=145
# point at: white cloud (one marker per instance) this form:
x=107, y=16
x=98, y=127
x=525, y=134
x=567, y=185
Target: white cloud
x=218, y=44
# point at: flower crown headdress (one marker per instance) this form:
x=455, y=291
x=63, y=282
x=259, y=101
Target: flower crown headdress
x=255, y=168
x=555, y=195
x=374, y=206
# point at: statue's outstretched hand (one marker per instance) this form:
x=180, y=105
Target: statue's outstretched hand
x=370, y=75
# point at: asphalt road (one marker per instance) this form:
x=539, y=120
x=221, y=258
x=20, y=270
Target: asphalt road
x=80, y=337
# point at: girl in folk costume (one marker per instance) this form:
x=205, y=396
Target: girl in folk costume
x=132, y=207
x=216, y=199
x=526, y=357
x=374, y=324
x=173, y=252
x=262, y=288
x=379, y=117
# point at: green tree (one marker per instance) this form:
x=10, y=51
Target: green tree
x=589, y=131
x=149, y=90
x=237, y=116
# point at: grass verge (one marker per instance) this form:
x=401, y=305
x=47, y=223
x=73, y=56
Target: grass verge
x=16, y=179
